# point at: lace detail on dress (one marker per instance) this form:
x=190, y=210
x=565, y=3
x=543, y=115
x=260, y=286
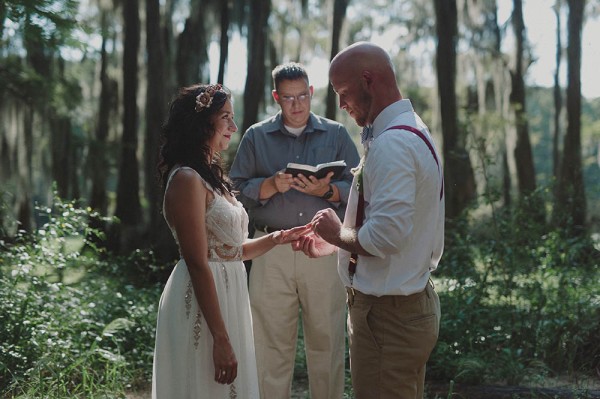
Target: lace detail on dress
x=188, y=299
x=225, y=276
x=197, y=328
x=227, y=226
x=232, y=392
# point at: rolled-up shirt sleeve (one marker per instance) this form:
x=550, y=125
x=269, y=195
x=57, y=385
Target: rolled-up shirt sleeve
x=390, y=184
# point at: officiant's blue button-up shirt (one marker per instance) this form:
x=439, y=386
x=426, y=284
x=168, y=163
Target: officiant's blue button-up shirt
x=267, y=147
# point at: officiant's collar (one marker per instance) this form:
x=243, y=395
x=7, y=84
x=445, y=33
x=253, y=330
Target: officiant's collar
x=315, y=124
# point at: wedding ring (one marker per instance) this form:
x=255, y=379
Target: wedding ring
x=223, y=372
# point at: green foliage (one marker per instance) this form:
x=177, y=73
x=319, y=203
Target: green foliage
x=519, y=302
x=68, y=331
x=46, y=22
x=41, y=29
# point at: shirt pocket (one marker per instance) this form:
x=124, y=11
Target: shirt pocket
x=323, y=154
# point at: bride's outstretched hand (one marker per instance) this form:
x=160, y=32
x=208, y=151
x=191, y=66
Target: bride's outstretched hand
x=313, y=246
x=290, y=235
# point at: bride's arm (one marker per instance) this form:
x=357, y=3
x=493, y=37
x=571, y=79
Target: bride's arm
x=258, y=246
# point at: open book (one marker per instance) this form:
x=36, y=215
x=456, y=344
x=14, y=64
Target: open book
x=319, y=171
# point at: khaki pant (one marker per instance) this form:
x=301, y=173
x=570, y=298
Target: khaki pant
x=281, y=282
x=391, y=338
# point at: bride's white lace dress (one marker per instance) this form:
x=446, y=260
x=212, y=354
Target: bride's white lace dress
x=183, y=363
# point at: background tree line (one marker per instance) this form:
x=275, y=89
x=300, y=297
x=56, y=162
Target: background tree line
x=86, y=84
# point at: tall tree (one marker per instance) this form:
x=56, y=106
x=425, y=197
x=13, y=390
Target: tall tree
x=158, y=232
x=98, y=154
x=3, y=12
x=224, y=40
x=192, y=45
x=523, y=152
x=64, y=142
x=339, y=15
x=155, y=106
x=570, y=205
x=488, y=111
x=557, y=92
x=458, y=173
x=502, y=100
x=169, y=41
x=128, y=208
x=254, y=90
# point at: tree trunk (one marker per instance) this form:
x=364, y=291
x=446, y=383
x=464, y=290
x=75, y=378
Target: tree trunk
x=192, y=47
x=506, y=181
x=155, y=106
x=224, y=40
x=170, y=48
x=40, y=61
x=254, y=91
x=98, y=156
x=501, y=106
x=98, y=162
x=570, y=209
x=24, y=167
x=158, y=231
x=339, y=15
x=2, y=17
x=523, y=153
x=61, y=149
x=128, y=197
x=459, y=177
x=557, y=94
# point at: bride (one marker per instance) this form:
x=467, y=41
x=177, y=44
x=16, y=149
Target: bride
x=204, y=343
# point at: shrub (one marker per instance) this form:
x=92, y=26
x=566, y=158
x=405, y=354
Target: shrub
x=66, y=330
x=519, y=301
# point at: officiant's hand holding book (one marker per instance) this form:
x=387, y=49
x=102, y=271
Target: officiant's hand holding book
x=319, y=171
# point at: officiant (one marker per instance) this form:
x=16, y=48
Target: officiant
x=283, y=282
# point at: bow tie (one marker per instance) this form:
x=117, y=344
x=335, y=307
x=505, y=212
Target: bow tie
x=366, y=133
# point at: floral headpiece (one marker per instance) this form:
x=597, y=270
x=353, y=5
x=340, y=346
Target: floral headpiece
x=205, y=99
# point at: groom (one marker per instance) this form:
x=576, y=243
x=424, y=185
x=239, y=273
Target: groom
x=394, y=311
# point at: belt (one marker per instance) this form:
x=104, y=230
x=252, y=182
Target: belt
x=266, y=229
x=354, y=294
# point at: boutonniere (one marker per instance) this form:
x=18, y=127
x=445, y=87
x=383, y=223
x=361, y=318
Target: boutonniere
x=358, y=172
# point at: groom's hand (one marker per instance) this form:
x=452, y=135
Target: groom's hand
x=313, y=246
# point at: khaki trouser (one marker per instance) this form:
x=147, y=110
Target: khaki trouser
x=391, y=338
x=281, y=282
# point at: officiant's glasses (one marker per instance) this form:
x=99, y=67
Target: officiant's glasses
x=300, y=97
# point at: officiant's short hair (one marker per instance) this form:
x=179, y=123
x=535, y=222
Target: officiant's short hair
x=288, y=71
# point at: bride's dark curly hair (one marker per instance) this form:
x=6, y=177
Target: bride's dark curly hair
x=186, y=134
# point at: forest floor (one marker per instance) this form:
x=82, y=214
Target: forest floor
x=587, y=390
x=508, y=392
x=299, y=390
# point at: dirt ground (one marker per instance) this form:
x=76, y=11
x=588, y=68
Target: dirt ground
x=509, y=392
x=586, y=390
x=299, y=391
